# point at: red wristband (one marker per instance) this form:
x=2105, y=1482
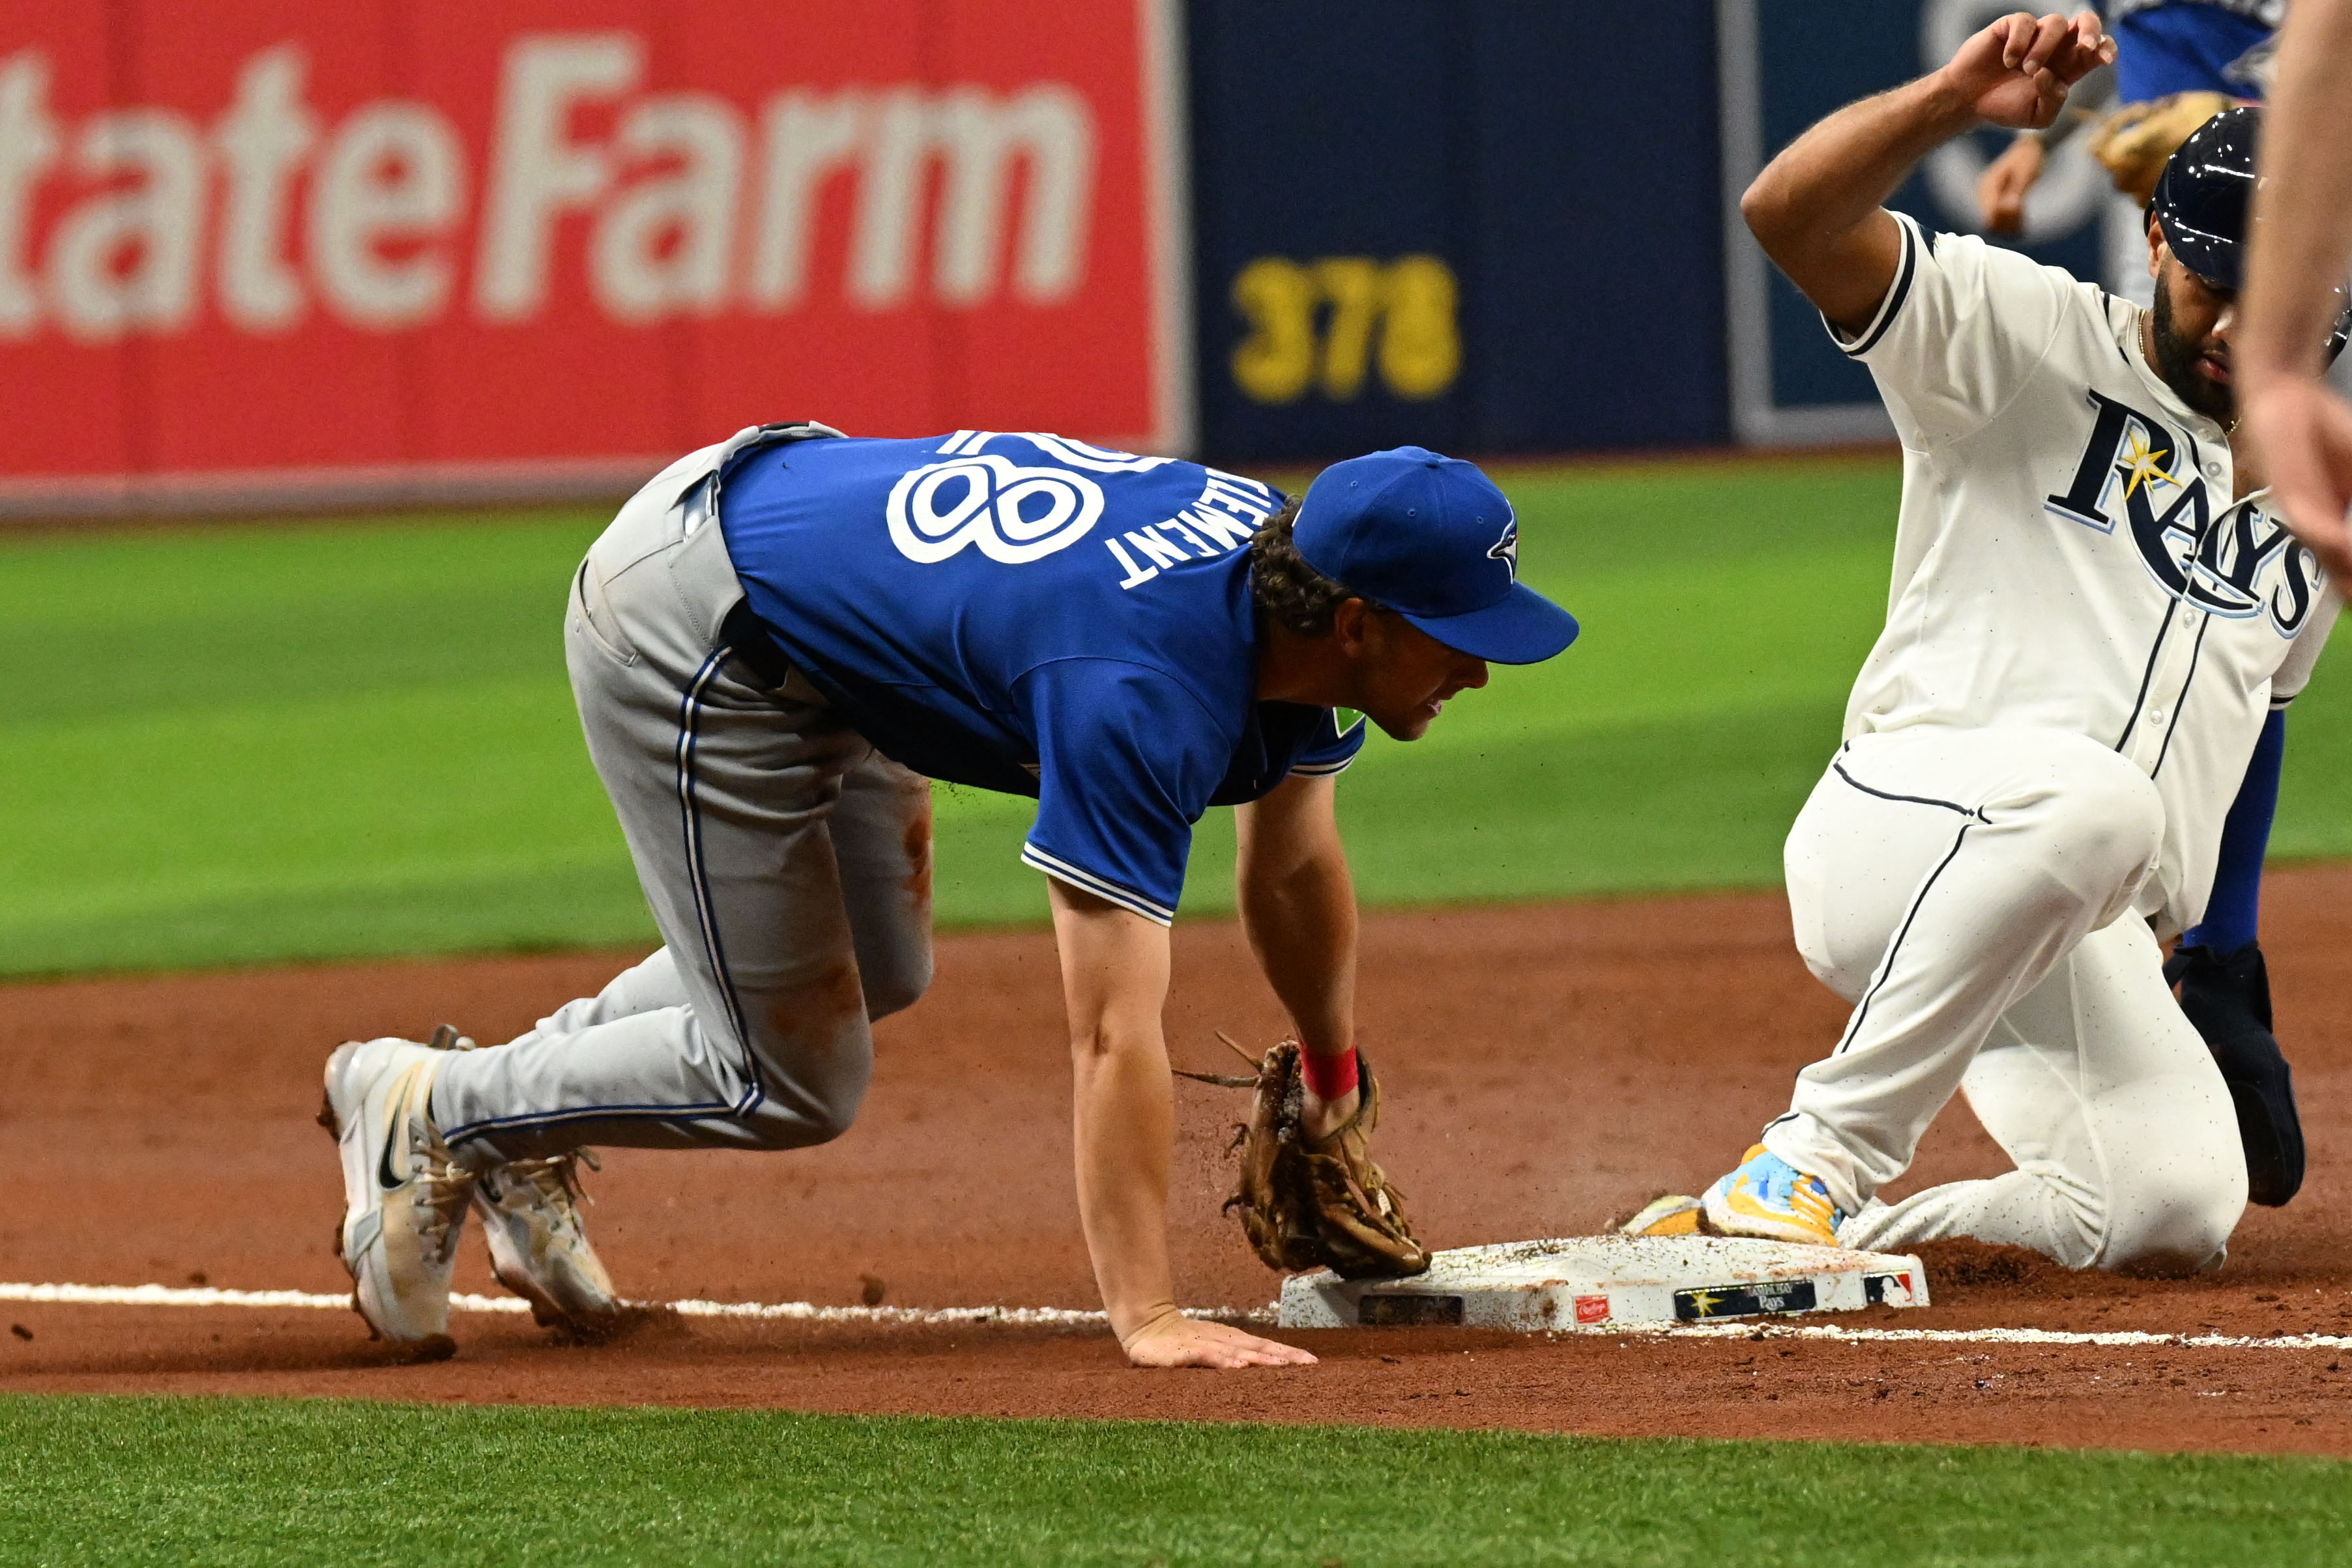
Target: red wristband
x=1330, y=1077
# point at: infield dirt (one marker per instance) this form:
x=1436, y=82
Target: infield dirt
x=1546, y=1068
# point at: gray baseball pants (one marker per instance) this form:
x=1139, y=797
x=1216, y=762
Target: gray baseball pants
x=787, y=862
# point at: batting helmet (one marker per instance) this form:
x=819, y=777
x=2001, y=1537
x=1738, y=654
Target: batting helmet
x=2202, y=199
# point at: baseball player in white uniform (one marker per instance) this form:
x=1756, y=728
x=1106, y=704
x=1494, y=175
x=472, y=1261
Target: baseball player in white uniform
x=2092, y=611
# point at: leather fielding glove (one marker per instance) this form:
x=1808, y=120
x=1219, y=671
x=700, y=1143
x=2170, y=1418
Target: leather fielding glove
x=1316, y=1202
x=2136, y=141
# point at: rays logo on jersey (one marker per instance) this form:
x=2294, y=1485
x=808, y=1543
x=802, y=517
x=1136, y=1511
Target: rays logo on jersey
x=2238, y=565
x=1007, y=512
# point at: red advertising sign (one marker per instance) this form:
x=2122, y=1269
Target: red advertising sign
x=443, y=247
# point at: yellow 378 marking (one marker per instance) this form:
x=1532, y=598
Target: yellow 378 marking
x=1329, y=322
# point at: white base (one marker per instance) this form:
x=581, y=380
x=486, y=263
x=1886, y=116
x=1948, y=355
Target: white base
x=1609, y=1282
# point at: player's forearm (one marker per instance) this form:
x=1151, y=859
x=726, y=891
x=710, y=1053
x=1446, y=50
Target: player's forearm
x=1115, y=983
x=1830, y=182
x=1125, y=1121
x=2302, y=203
x=1300, y=914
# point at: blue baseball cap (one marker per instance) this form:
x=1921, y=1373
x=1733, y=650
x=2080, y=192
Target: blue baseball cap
x=1431, y=538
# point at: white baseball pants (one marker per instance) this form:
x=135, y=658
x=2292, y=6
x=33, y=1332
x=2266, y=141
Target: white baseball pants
x=1970, y=892
x=787, y=862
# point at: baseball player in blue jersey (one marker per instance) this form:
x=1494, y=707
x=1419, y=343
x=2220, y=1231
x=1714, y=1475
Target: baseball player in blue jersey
x=775, y=646
x=2164, y=47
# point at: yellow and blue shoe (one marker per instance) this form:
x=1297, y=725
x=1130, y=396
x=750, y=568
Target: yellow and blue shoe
x=1772, y=1200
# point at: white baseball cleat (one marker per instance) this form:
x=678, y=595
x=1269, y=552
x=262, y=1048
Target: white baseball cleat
x=539, y=1249
x=404, y=1200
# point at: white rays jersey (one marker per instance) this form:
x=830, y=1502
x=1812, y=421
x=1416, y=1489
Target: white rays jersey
x=2068, y=555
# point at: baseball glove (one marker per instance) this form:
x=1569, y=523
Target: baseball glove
x=2134, y=141
x=1315, y=1202
x=2229, y=1000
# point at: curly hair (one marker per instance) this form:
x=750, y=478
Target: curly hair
x=1283, y=587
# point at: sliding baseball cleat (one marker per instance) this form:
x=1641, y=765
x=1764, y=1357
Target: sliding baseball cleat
x=1770, y=1200
x=1766, y=1199
x=1675, y=1214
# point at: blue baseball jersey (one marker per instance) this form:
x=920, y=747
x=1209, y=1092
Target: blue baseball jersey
x=1033, y=614
x=2164, y=47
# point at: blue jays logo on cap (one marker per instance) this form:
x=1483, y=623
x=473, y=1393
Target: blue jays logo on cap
x=1507, y=549
x=1431, y=538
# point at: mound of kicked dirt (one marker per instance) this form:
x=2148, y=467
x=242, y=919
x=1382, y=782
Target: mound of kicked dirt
x=1965, y=1269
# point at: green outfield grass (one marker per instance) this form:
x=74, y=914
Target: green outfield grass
x=100, y=1480
x=232, y=744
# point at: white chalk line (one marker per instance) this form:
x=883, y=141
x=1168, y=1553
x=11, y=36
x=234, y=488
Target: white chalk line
x=1748, y=1328
x=788, y=1311
x=1065, y=1317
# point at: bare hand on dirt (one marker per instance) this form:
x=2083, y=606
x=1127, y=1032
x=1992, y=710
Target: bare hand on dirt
x=2017, y=71
x=1174, y=1339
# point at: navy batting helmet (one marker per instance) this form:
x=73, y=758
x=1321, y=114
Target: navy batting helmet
x=2201, y=200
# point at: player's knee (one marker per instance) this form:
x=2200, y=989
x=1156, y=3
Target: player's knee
x=805, y=1111
x=2177, y=1217
x=2107, y=823
x=898, y=983
x=810, y=1063
x=2114, y=810
x=832, y=1116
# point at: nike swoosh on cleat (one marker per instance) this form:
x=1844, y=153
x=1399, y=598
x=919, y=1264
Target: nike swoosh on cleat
x=383, y=1173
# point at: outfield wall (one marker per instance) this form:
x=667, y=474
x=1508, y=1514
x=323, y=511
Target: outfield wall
x=461, y=247
x=1462, y=224
x=258, y=254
